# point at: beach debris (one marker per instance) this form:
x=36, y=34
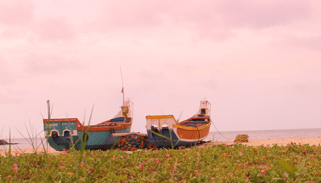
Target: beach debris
x=242, y=138
x=134, y=142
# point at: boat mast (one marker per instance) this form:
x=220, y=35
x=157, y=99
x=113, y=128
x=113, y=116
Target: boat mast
x=122, y=84
x=48, y=104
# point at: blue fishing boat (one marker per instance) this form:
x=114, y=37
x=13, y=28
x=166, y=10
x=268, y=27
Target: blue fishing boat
x=61, y=133
x=166, y=131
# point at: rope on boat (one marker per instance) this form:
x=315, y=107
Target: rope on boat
x=220, y=132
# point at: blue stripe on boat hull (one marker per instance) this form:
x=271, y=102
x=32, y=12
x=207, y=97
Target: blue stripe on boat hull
x=96, y=140
x=163, y=142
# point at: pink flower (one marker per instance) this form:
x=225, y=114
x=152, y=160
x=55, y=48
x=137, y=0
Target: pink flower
x=212, y=178
x=291, y=143
x=83, y=155
x=166, y=149
x=141, y=165
x=229, y=175
x=92, y=154
x=82, y=164
x=42, y=154
x=63, y=150
x=157, y=160
x=319, y=144
x=61, y=166
x=145, y=150
x=10, y=177
x=15, y=167
x=198, y=154
x=168, y=156
x=310, y=181
x=198, y=163
x=262, y=173
x=16, y=153
x=300, y=144
x=201, y=147
x=107, y=150
x=240, y=153
x=179, y=148
x=245, y=164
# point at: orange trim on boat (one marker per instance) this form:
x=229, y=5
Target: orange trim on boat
x=194, y=134
x=192, y=128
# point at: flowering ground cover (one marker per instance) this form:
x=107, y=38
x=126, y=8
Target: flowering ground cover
x=220, y=163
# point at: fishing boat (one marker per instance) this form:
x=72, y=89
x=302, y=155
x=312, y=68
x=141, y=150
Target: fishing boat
x=61, y=133
x=166, y=131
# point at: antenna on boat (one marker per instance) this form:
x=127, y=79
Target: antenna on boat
x=48, y=104
x=124, y=107
x=177, y=121
x=122, y=84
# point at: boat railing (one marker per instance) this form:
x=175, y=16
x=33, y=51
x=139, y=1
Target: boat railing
x=195, y=123
x=110, y=124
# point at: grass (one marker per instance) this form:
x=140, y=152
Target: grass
x=218, y=163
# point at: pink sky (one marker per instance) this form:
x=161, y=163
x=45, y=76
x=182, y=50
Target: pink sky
x=258, y=63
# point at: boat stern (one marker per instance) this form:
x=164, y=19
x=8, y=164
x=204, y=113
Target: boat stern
x=160, y=130
x=61, y=132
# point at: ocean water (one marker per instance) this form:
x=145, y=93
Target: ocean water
x=21, y=143
x=213, y=136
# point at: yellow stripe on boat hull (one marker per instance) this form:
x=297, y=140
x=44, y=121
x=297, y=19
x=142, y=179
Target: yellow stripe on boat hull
x=192, y=128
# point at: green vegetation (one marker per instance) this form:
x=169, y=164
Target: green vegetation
x=221, y=163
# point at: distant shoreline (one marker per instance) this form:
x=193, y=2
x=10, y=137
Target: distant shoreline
x=9, y=144
x=280, y=141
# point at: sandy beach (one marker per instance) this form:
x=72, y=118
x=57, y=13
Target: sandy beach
x=257, y=142
x=28, y=151
x=280, y=142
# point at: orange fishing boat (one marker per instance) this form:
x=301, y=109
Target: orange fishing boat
x=166, y=131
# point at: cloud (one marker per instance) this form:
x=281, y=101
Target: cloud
x=15, y=12
x=54, y=29
x=214, y=19
x=6, y=74
x=15, y=17
x=18, y=20
x=309, y=42
x=261, y=14
x=217, y=20
x=51, y=64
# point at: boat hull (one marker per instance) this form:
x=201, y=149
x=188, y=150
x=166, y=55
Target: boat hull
x=166, y=131
x=177, y=137
x=61, y=133
x=192, y=133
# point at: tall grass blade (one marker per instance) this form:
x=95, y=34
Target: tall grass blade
x=10, y=143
